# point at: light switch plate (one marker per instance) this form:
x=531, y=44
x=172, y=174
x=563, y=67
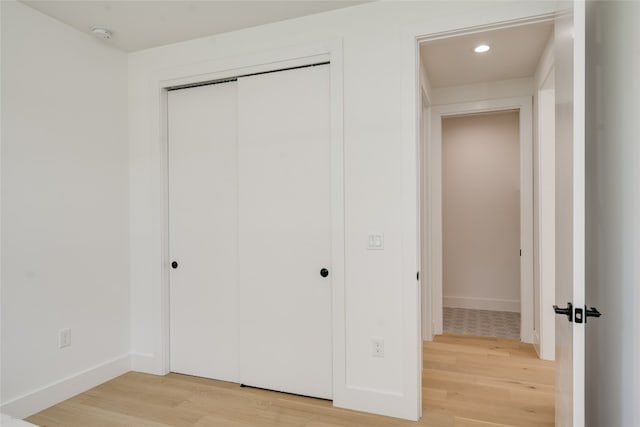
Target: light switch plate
x=375, y=241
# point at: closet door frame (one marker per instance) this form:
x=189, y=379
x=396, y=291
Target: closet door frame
x=162, y=81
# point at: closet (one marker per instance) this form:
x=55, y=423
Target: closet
x=250, y=230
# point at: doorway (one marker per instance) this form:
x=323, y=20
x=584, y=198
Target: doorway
x=499, y=302
x=481, y=224
x=456, y=81
x=459, y=84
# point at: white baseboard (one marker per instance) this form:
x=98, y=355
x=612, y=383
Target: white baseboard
x=7, y=421
x=536, y=343
x=48, y=395
x=144, y=362
x=482, y=303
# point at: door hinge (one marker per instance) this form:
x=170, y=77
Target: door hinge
x=520, y=252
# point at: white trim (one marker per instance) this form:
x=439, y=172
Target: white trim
x=53, y=393
x=536, y=343
x=475, y=303
x=434, y=202
x=497, y=25
x=7, y=421
x=546, y=223
x=340, y=396
x=546, y=64
x=425, y=258
x=158, y=362
x=411, y=100
x=578, y=204
x=544, y=176
x=142, y=362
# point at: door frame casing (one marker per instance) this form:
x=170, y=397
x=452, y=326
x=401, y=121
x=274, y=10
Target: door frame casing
x=433, y=206
x=273, y=60
x=411, y=95
x=544, y=337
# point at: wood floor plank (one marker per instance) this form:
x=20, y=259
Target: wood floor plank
x=467, y=382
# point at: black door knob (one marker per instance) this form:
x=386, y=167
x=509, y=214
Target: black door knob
x=324, y=272
x=174, y=265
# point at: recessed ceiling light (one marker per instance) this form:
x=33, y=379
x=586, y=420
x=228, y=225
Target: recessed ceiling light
x=103, y=33
x=482, y=48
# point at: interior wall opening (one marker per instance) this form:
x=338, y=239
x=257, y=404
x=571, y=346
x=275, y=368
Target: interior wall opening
x=511, y=80
x=453, y=73
x=481, y=224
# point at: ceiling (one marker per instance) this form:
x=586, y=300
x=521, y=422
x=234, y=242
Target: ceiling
x=142, y=24
x=514, y=53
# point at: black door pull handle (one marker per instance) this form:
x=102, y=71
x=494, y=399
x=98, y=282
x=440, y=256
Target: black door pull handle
x=174, y=265
x=591, y=312
x=580, y=315
x=565, y=311
x=324, y=272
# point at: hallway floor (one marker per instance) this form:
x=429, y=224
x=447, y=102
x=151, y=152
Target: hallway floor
x=467, y=381
x=481, y=381
x=484, y=323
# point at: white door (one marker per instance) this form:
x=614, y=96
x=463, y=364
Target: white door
x=203, y=230
x=570, y=212
x=285, y=231
x=613, y=209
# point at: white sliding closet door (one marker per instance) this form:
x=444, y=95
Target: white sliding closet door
x=285, y=231
x=203, y=215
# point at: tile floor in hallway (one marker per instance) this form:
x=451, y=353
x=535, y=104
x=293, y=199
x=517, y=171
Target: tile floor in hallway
x=484, y=323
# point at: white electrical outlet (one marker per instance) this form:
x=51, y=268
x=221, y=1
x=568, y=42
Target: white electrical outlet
x=377, y=347
x=64, y=337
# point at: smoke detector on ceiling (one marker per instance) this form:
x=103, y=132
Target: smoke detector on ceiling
x=103, y=33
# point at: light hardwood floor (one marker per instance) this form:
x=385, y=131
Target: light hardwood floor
x=467, y=381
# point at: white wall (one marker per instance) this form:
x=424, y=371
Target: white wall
x=481, y=211
x=613, y=214
x=64, y=211
x=380, y=132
